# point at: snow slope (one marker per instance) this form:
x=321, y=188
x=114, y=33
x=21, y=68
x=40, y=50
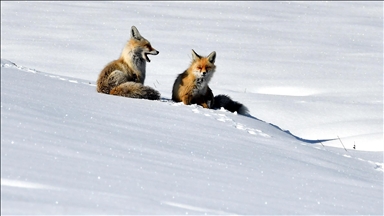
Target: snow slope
x=313, y=68
x=68, y=150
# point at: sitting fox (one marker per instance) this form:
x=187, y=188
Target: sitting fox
x=191, y=86
x=125, y=76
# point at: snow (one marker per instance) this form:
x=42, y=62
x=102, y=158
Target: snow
x=307, y=71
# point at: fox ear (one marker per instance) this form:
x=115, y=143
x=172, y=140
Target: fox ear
x=135, y=33
x=212, y=57
x=195, y=56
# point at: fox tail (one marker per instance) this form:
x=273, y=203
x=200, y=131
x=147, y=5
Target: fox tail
x=230, y=105
x=135, y=90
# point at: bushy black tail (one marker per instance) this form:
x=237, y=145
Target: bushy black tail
x=230, y=105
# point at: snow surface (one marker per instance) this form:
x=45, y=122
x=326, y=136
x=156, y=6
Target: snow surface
x=313, y=68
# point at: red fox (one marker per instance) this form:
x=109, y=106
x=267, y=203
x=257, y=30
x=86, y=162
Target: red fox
x=191, y=86
x=125, y=76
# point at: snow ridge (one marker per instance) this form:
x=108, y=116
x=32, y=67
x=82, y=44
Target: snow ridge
x=218, y=116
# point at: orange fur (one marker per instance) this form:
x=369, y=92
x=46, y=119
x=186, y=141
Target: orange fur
x=191, y=86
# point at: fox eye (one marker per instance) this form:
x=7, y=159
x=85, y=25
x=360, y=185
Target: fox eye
x=199, y=68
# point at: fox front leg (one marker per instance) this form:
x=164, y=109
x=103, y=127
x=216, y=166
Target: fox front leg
x=206, y=104
x=186, y=99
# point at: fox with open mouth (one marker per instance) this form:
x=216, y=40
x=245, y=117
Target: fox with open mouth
x=125, y=76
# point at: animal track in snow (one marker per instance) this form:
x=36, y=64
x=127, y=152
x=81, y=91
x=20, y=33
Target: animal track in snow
x=195, y=110
x=251, y=130
x=222, y=117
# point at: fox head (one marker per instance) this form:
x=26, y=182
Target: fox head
x=139, y=46
x=203, y=67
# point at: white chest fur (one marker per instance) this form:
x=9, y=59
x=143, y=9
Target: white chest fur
x=201, y=83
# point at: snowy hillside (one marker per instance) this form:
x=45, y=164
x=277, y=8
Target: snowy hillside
x=313, y=69
x=67, y=150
